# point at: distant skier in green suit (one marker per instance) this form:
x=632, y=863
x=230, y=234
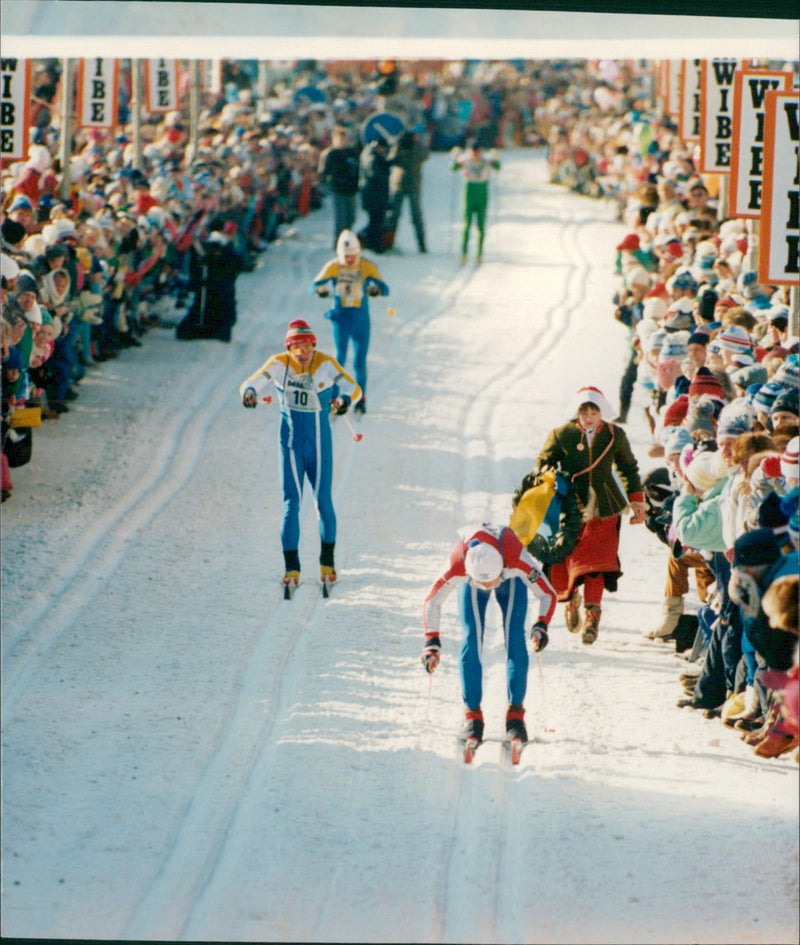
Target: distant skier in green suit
x=476, y=168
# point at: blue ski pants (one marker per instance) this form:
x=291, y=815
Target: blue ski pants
x=306, y=453
x=353, y=326
x=512, y=596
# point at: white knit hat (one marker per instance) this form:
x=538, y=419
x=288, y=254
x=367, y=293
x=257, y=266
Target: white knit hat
x=483, y=562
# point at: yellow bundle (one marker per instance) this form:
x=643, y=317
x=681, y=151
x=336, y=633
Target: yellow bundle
x=527, y=517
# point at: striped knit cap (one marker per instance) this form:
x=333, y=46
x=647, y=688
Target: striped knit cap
x=299, y=333
x=735, y=338
x=789, y=467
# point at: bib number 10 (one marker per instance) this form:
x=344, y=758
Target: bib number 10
x=300, y=398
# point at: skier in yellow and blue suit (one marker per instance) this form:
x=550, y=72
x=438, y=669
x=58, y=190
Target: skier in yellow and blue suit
x=353, y=279
x=305, y=380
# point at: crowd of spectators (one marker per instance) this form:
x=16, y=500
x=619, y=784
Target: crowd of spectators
x=712, y=358
x=714, y=363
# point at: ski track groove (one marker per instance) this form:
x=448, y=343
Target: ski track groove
x=101, y=551
x=177, y=888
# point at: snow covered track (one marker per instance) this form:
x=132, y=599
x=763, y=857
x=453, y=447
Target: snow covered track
x=187, y=756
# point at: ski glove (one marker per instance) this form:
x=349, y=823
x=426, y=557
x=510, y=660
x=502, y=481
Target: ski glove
x=249, y=398
x=373, y=290
x=430, y=655
x=339, y=405
x=323, y=291
x=539, y=636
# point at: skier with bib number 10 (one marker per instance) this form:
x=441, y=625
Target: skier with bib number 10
x=310, y=386
x=487, y=560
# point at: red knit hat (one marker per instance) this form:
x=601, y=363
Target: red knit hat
x=704, y=382
x=299, y=333
x=631, y=242
x=676, y=411
x=659, y=290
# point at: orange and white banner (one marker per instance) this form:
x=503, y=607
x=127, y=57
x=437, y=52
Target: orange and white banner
x=15, y=111
x=716, y=114
x=689, y=102
x=98, y=92
x=672, y=87
x=747, y=154
x=779, y=232
x=161, y=85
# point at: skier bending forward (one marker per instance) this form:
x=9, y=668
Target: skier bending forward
x=487, y=559
x=305, y=379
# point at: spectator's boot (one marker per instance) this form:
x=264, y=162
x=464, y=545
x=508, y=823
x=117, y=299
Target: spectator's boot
x=572, y=611
x=672, y=610
x=591, y=623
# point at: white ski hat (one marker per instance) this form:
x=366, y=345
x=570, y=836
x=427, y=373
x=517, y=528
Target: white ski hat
x=483, y=562
x=593, y=395
x=347, y=245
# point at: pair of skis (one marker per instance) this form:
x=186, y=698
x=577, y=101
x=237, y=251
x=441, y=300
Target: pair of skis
x=512, y=748
x=289, y=590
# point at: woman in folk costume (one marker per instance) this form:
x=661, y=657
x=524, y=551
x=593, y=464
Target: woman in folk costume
x=603, y=471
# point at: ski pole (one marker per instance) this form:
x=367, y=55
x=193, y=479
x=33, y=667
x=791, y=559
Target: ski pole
x=428, y=706
x=390, y=310
x=358, y=437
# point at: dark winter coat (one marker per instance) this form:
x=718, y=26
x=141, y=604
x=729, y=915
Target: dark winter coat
x=215, y=264
x=374, y=177
x=566, y=447
x=339, y=168
x=409, y=155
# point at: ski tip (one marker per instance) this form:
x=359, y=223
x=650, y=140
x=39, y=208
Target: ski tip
x=469, y=746
x=514, y=748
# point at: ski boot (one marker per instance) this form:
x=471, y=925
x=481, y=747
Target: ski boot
x=591, y=624
x=572, y=613
x=361, y=406
x=291, y=577
x=473, y=725
x=515, y=723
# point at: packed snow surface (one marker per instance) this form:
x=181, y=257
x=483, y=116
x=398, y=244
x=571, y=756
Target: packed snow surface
x=186, y=755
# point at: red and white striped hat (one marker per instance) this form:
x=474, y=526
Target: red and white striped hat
x=789, y=467
x=735, y=338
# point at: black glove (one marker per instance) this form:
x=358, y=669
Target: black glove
x=340, y=405
x=373, y=290
x=539, y=636
x=430, y=655
x=249, y=397
x=323, y=291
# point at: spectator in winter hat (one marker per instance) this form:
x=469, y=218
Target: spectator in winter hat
x=680, y=315
x=765, y=398
x=744, y=377
x=789, y=467
x=706, y=384
x=734, y=340
x=699, y=420
x=788, y=374
x=784, y=407
x=696, y=345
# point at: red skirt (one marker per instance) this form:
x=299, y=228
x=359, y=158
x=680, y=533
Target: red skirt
x=596, y=552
